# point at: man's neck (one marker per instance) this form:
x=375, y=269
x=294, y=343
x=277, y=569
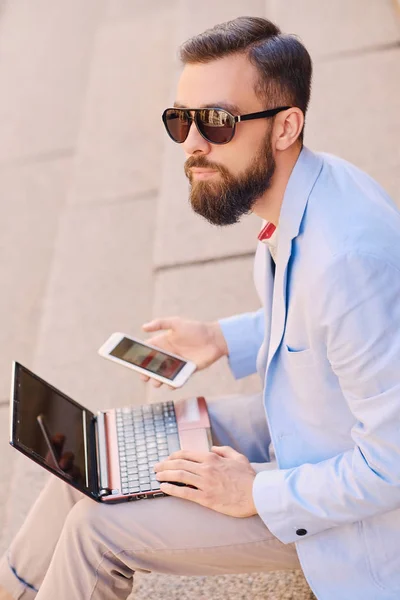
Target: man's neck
x=268, y=207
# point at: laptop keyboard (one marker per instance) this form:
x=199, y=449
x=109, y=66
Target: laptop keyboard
x=146, y=435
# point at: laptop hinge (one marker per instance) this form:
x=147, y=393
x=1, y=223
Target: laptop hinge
x=101, y=445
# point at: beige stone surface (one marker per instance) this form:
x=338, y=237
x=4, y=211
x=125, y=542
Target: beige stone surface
x=7, y=457
x=45, y=50
x=282, y=585
x=212, y=12
x=207, y=292
x=329, y=28
x=31, y=200
x=115, y=10
x=357, y=117
x=120, y=142
x=101, y=282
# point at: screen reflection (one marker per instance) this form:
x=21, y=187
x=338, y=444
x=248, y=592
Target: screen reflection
x=51, y=426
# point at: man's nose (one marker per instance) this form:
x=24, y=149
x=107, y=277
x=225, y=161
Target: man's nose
x=195, y=142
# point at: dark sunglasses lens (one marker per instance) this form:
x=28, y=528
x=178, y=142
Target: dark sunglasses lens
x=177, y=124
x=216, y=125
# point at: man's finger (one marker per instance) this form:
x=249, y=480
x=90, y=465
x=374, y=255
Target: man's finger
x=180, y=476
x=198, y=457
x=158, y=324
x=186, y=493
x=178, y=464
x=226, y=452
x=151, y=326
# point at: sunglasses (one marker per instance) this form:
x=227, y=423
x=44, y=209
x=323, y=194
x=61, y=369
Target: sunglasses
x=216, y=125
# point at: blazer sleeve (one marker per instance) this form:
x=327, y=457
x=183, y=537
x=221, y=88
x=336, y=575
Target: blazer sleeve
x=356, y=304
x=244, y=335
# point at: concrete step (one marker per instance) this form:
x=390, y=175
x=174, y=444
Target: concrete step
x=121, y=138
x=32, y=200
x=336, y=28
x=45, y=78
x=45, y=51
x=100, y=279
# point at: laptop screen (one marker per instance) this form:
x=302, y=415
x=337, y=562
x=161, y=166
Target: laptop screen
x=51, y=428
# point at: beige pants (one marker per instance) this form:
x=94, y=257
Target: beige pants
x=73, y=547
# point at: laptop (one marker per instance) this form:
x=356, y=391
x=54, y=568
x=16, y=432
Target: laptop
x=110, y=455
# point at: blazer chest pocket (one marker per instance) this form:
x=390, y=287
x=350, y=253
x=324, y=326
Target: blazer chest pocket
x=298, y=359
x=303, y=373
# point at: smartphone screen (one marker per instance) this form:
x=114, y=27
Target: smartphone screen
x=147, y=358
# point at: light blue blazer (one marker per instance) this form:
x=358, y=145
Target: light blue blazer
x=327, y=346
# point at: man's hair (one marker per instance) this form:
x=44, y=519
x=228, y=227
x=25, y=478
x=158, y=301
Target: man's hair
x=283, y=63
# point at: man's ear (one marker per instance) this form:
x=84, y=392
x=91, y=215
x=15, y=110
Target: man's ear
x=288, y=126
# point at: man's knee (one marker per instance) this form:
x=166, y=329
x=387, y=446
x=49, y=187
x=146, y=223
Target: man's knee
x=86, y=519
x=113, y=526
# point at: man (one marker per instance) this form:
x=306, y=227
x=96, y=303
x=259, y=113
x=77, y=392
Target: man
x=325, y=344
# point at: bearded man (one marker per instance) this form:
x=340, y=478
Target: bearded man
x=325, y=344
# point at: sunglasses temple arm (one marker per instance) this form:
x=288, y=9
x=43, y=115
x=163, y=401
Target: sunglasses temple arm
x=261, y=115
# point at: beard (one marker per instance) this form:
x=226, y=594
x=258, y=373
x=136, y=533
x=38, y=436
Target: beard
x=223, y=202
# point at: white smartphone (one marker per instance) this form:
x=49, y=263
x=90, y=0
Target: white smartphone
x=149, y=360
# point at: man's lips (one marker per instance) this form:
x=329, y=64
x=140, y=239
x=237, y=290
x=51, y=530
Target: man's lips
x=202, y=173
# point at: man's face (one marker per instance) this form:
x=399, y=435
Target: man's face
x=226, y=180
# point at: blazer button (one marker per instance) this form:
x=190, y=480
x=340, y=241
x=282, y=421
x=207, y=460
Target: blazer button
x=301, y=531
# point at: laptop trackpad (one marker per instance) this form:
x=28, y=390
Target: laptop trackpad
x=194, y=439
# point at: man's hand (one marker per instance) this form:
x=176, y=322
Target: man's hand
x=201, y=342
x=223, y=479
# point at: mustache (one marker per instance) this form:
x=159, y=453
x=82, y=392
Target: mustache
x=202, y=163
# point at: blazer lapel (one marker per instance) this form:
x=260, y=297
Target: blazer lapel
x=301, y=182
x=278, y=309
x=264, y=281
